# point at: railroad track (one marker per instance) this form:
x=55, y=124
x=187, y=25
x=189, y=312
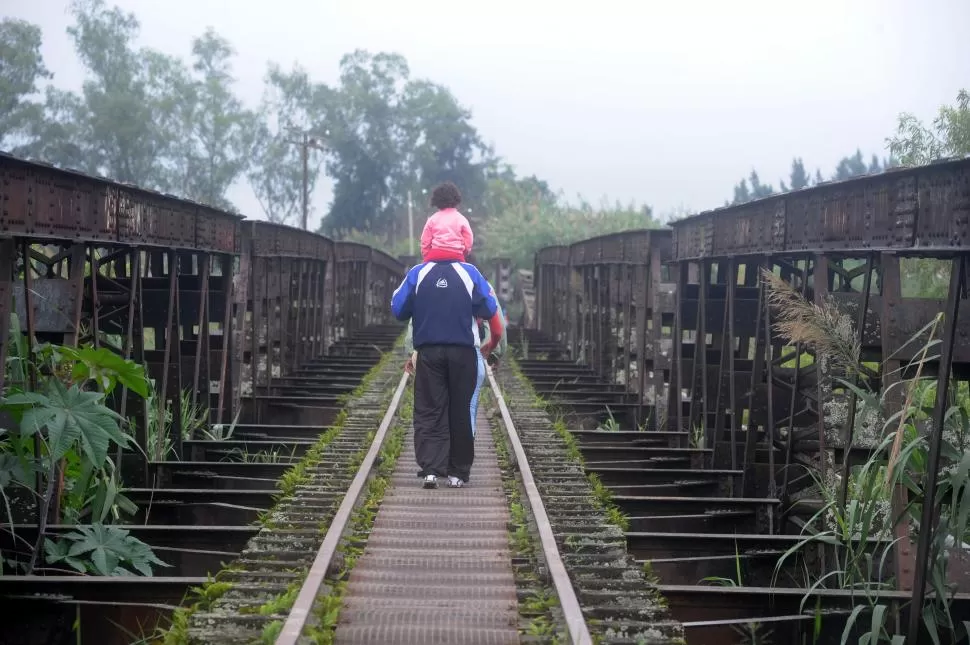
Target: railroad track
x=355, y=551
x=269, y=330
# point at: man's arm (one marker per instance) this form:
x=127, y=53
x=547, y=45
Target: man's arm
x=502, y=345
x=403, y=298
x=409, y=338
x=484, y=302
x=496, y=332
x=409, y=349
x=485, y=306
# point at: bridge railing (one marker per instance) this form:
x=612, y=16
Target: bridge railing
x=283, y=306
x=609, y=301
x=212, y=304
x=859, y=234
x=732, y=375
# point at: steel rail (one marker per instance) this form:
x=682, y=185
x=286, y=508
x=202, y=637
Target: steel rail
x=296, y=620
x=572, y=613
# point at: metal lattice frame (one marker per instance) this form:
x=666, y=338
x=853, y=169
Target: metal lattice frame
x=742, y=384
x=609, y=301
x=213, y=305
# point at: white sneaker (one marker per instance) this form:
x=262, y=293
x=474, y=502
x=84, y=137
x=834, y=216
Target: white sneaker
x=454, y=482
x=430, y=481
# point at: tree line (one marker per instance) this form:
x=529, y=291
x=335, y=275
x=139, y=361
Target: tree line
x=155, y=120
x=178, y=126
x=751, y=187
x=913, y=143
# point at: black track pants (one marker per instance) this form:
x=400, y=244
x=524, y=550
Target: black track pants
x=445, y=379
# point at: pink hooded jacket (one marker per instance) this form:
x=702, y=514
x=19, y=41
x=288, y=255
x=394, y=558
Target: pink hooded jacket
x=446, y=236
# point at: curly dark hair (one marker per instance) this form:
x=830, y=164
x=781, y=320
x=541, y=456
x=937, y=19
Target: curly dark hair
x=445, y=195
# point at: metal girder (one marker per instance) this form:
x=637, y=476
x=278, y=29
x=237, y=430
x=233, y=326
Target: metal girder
x=608, y=300
x=213, y=305
x=743, y=385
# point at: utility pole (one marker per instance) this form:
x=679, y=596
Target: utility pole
x=305, y=148
x=306, y=142
x=424, y=191
x=410, y=225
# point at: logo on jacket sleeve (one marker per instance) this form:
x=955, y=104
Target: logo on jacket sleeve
x=442, y=283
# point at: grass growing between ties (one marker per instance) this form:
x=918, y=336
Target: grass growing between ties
x=588, y=526
x=559, y=425
x=602, y=494
x=183, y=629
x=538, y=603
x=299, y=474
x=197, y=599
x=326, y=610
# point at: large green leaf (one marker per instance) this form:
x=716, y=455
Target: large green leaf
x=106, y=549
x=104, y=545
x=58, y=551
x=140, y=556
x=71, y=414
x=107, y=369
x=34, y=420
x=19, y=403
x=12, y=469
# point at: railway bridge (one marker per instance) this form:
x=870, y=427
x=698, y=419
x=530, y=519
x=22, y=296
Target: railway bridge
x=720, y=432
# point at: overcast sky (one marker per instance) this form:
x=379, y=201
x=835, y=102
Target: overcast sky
x=667, y=103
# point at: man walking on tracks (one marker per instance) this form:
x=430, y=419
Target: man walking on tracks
x=485, y=334
x=443, y=300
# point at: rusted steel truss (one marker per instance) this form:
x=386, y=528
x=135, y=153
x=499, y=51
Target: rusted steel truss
x=609, y=300
x=215, y=306
x=741, y=384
